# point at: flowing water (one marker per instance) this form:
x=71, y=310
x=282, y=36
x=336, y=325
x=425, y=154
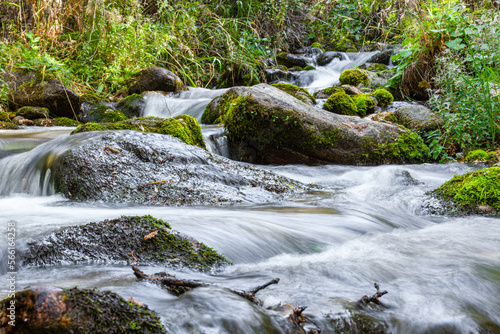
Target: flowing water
x=364, y=225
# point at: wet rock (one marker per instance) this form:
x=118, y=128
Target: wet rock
x=212, y=114
x=356, y=322
x=326, y=57
x=291, y=60
x=28, y=89
x=382, y=57
x=266, y=125
x=149, y=168
x=274, y=75
x=100, y=113
x=33, y=112
x=351, y=90
x=183, y=127
x=471, y=193
x=43, y=122
x=132, y=105
x=52, y=310
x=155, y=79
x=417, y=117
x=151, y=240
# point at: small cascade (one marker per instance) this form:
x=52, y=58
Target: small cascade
x=30, y=172
x=327, y=76
x=191, y=102
x=216, y=140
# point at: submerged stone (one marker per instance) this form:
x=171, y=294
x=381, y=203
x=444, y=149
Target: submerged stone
x=149, y=168
x=151, y=240
x=266, y=125
x=54, y=310
x=471, y=193
x=183, y=127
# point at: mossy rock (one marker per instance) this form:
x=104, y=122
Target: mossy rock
x=482, y=156
x=298, y=92
x=345, y=45
x=354, y=77
x=54, y=310
x=64, y=121
x=309, y=68
x=327, y=92
x=317, y=46
x=211, y=114
x=155, y=79
x=33, y=113
x=183, y=127
x=266, y=126
x=4, y=117
x=152, y=241
x=474, y=192
x=132, y=105
x=364, y=103
x=415, y=117
x=289, y=60
x=8, y=126
x=383, y=96
x=341, y=103
x=100, y=113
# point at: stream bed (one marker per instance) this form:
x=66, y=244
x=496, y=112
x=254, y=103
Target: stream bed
x=360, y=226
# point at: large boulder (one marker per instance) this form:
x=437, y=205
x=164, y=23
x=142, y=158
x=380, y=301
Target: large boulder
x=28, y=89
x=291, y=60
x=183, y=127
x=52, y=310
x=155, y=169
x=155, y=79
x=99, y=112
x=267, y=125
x=151, y=240
x=417, y=117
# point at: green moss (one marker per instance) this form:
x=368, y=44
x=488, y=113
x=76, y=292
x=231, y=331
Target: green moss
x=384, y=97
x=408, y=146
x=296, y=91
x=317, y=46
x=364, y=104
x=8, y=126
x=345, y=45
x=473, y=189
x=183, y=127
x=309, y=68
x=341, y=103
x=376, y=68
x=477, y=155
x=354, y=77
x=297, y=68
x=328, y=91
x=64, y=121
x=4, y=117
x=131, y=106
x=249, y=79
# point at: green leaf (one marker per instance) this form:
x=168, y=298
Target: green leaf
x=455, y=44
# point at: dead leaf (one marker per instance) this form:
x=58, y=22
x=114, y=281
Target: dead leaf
x=151, y=235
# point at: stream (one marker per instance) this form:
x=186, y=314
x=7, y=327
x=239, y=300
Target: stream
x=363, y=225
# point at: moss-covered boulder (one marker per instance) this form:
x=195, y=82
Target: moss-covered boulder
x=417, y=118
x=290, y=60
x=100, y=113
x=341, y=103
x=309, y=68
x=183, y=127
x=8, y=126
x=265, y=125
x=64, y=121
x=345, y=45
x=354, y=77
x=33, y=113
x=383, y=96
x=155, y=79
x=482, y=156
x=132, y=105
x=29, y=89
x=365, y=104
x=54, y=310
x=151, y=240
x=211, y=114
x=326, y=92
x=474, y=192
x=297, y=92
x=155, y=169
